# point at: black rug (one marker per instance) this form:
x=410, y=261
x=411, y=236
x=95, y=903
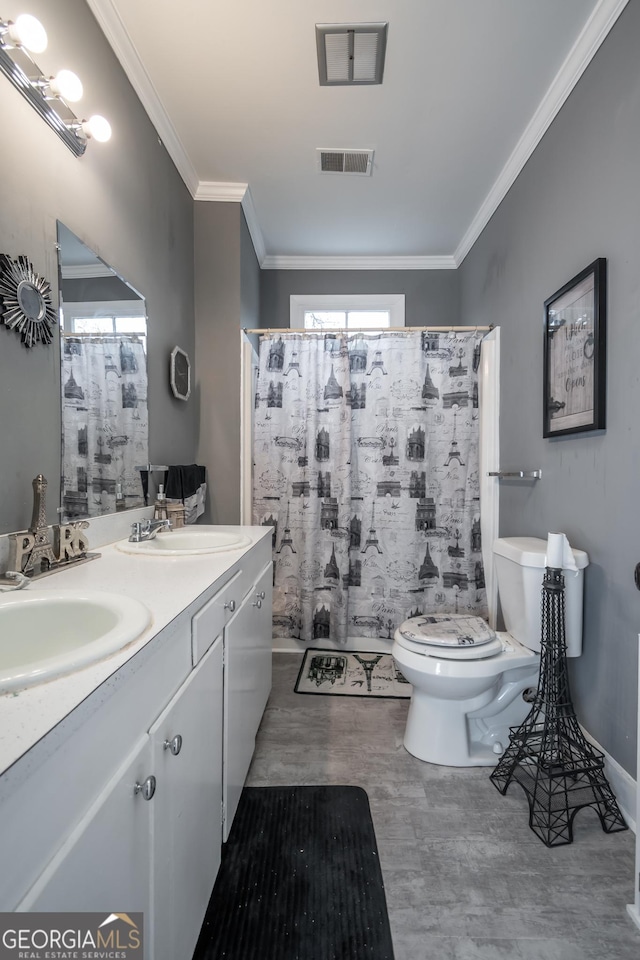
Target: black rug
x=300, y=880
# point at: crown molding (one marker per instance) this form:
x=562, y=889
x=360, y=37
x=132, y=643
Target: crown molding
x=220, y=191
x=602, y=19
x=116, y=33
x=358, y=263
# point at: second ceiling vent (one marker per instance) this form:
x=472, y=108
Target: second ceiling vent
x=359, y=162
x=350, y=54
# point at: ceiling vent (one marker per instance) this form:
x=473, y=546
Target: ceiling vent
x=358, y=162
x=350, y=54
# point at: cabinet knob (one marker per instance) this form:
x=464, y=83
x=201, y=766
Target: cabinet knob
x=231, y=605
x=257, y=603
x=261, y=595
x=174, y=745
x=147, y=788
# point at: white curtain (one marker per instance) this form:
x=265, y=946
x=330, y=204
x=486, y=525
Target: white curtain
x=366, y=464
x=105, y=424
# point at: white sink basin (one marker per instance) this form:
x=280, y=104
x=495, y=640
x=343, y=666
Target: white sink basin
x=47, y=635
x=185, y=542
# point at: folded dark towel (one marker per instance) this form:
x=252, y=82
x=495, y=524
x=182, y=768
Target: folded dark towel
x=144, y=480
x=183, y=480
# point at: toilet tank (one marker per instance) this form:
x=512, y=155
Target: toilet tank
x=520, y=566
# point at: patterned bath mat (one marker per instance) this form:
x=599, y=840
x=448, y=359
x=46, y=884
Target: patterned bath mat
x=347, y=674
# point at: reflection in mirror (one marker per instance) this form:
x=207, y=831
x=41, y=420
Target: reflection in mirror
x=105, y=419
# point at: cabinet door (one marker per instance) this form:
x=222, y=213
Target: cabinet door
x=104, y=864
x=187, y=809
x=247, y=673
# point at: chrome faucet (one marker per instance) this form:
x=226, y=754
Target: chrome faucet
x=146, y=529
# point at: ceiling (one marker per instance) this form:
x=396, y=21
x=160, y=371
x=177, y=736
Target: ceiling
x=469, y=88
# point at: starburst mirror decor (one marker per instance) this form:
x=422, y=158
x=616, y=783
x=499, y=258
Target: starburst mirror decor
x=25, y=301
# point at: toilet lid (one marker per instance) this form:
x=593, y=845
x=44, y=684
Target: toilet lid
x=447, y=630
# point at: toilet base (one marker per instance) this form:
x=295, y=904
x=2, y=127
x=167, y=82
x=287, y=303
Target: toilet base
x=465, y=733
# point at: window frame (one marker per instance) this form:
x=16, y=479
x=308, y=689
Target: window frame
x=299, y=304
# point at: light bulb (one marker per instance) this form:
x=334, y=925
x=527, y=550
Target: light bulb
x=28, y=32
x=67, y=85
x=98, y=128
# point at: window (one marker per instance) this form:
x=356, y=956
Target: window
x=106, y=317
x=354, y=312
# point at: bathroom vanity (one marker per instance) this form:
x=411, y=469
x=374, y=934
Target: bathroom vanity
x=130, y=771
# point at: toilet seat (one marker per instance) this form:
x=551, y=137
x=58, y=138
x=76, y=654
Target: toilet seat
x=449, y=637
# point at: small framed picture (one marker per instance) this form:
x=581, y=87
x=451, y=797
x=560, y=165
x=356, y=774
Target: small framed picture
x=575, y=354
x=180, y=374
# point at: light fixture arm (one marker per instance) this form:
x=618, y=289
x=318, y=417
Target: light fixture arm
x=19, y=67
x=31, y=92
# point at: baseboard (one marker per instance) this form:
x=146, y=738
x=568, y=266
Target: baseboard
x=353, y=645
x=621, y=782
x=632, y=910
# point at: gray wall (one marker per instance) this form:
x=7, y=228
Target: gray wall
x=126, y=201
x=431, y=296
x=96, y=288
x=227, y=278
x=577, y=199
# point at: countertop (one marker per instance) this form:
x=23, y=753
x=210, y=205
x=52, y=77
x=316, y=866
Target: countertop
x=166, y=585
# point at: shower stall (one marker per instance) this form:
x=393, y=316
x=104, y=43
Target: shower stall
x=368, y=454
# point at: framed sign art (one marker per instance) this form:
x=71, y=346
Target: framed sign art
x=575, y=353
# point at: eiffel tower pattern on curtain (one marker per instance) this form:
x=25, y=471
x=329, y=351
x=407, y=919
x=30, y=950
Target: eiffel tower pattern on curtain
x=366, y=465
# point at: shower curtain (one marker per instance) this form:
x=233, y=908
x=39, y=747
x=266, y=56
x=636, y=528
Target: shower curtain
x=366, y=466
x=105, y=424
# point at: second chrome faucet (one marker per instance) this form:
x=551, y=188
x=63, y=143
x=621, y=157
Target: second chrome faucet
x=146, y=529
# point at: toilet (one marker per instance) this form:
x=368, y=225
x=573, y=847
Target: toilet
x=468, y=681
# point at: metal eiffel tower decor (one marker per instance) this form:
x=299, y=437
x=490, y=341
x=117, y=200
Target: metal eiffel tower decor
x=548, y=755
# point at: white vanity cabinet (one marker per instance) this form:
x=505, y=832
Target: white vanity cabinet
x=241, y=619
x=186, y=743
x=105, y=859
x=152, y=838
x=124, y=811
x=247, y=683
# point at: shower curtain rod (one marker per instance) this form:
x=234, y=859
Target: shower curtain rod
x=105, y=335
x=364, y=330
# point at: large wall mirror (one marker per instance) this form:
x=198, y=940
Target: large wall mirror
x=105, y=421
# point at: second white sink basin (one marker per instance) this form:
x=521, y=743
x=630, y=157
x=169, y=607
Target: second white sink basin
x=44, y=635
x=185, y=542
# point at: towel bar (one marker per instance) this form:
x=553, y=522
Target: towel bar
x=520, y=474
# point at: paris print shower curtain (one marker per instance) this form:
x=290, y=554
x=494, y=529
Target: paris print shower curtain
x=105, y=424
x=366, y=466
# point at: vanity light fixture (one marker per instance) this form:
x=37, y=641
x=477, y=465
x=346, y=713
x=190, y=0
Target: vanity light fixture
x=95, y=128
x=66, y=85
x=26, y=32
x=49, y=96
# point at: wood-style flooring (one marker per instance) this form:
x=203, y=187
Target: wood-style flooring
x=465, y=877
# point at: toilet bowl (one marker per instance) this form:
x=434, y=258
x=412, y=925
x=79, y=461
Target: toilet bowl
x=468, y=681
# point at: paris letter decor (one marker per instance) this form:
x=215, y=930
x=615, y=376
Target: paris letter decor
x=548, y=755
